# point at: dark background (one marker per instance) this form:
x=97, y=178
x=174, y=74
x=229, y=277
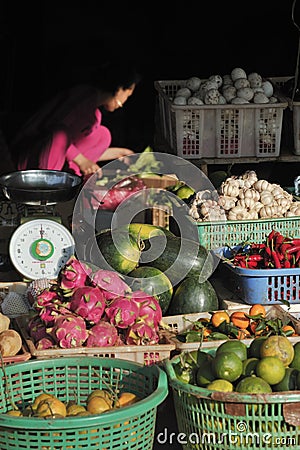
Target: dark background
x=46, y=46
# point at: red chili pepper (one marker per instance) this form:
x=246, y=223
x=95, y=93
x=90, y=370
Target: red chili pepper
x=276, y=260
x=286, y=264
x=285, y=246
x=295, y=241
x=293, y=249
x=279, y=239
x=255, y=257
x=271, y=236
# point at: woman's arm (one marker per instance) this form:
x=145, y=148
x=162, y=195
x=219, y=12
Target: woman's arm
x=115, y=153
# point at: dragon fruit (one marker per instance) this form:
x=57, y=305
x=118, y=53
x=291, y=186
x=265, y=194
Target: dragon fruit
x=73, y=275
x=141, y=334
x=50, y=312
x=89, y=303
x=111, y=283
x=103, y=334
x=46, y=297
x=45, y=343
x=37, y=329
x=69, y=331
x=122, y=312
x=149, y=308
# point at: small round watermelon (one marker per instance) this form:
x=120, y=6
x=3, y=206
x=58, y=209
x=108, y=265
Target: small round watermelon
x=191, y=297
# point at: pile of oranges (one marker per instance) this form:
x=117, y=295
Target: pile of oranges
x=244, y=325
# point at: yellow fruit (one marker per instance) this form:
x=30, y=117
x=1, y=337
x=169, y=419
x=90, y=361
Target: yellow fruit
x=51, y=407
x=97, y=405
x=101, y=393
x=253, y=385
x=40, y=398
x=126, y=399
x=15, y=413
x=219, y=317
x=185, y=192
x=257, y=309
x=228, y=366
x=73, y=410
x=220, y=385
x=271, y=369
x=240, y=320
x=279, y=346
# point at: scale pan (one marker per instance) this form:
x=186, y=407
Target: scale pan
x=40, y=187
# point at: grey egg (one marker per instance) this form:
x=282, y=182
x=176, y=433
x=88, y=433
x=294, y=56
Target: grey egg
x=246, y=93
x=255, y=79
x=212, y=97
x=193, y=83
x=180, y=100
x=183, y=92
x=241, y=83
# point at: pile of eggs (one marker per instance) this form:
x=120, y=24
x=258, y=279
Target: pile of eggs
x=236, y=88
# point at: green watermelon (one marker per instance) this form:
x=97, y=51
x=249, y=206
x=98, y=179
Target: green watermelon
x=115, y=250
x=154, y=282
x=178, y=257
x=191, y=297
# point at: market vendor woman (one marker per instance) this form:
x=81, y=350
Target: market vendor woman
x=67, y=134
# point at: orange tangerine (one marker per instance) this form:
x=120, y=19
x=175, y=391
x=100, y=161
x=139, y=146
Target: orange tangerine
x=253, y=326
x=239, y=319
x=289, y=330
x=257, y=309
x=219, y=317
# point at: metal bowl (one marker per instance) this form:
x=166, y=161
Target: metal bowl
x=40, y=187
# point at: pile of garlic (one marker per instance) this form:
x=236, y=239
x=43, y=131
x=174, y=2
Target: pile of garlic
x=244, y=197
x=237, y=88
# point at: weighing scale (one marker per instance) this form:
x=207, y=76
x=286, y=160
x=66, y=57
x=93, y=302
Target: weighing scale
x=40, y=246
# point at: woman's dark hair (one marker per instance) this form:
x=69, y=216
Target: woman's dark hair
x=112, y=76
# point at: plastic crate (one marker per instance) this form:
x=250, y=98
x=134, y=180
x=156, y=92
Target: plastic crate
x=265, y=286
x=213, y=235
x=73, y=379
x=294, y=118
x=180, y=323
x=142, y=354
x=209, y=420
x=219, y=131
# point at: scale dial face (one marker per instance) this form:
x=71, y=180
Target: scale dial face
x=39, y=248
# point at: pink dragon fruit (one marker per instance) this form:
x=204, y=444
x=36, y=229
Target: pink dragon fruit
x=45, y=343
x=103, y=334
x=89, y=303
x=37, y=329
x=50, y=312
x=73, y=275
x=70, y=331
x=122, y=312
x=149, y=308
x=141, y=334
x=46, y=297
x=111, y=283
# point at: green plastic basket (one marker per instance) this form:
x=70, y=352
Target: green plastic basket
x=130, y=427
x=209, y=420
x=213, y=235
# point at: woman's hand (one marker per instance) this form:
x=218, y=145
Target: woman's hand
x=86, y=166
